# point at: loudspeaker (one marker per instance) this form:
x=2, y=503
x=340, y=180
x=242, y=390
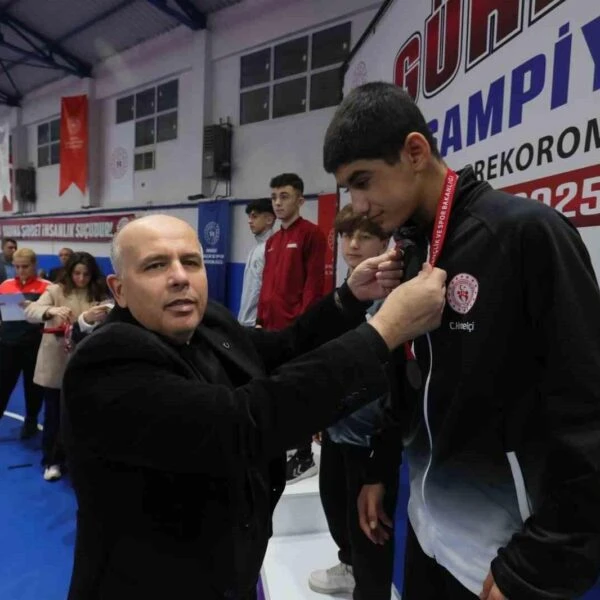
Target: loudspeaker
x=217, y=152
x=25, y=184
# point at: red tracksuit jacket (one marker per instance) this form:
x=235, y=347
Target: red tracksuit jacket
x=293, y=275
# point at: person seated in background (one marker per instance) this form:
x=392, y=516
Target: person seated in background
x=64, y=255
x=7, y=269
x=20, y=341
x=365, y=569
x=293, y=280
x=260, y=220
x=176, y=418
x=81, y=295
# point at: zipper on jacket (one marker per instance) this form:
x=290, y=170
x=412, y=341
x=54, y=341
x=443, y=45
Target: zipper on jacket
x=520, y=489
x=427, y=426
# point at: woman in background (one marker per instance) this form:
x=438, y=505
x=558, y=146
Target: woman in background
x=80, y=295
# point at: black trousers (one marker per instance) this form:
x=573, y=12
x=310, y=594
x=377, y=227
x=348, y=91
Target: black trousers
x=52, y=448
x=425, y=579
x=14, y=360
x=340, y=481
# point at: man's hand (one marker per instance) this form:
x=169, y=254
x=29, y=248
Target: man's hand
x=96, y=314
x=376, y=277
x=490, y=590
x=412, y=309
x=371, y=515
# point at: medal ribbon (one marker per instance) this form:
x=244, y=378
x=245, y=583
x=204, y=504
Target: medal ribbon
x=440, y=228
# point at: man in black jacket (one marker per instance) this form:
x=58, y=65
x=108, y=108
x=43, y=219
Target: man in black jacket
x=500, y=412
x=177, y=418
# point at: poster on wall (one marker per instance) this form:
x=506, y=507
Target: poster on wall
x=213, y=230
x=98, y=228
x=524, y=115
x=327, y=209
x=118, y=164
x=73, y=143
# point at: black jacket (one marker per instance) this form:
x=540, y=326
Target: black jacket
x=503, y=438
x=174, y=473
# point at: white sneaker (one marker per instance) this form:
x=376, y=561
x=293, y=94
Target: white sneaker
x=52, y=473
x=337, y=580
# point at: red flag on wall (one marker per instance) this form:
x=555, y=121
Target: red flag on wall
x=73, y=143
x=328, y=204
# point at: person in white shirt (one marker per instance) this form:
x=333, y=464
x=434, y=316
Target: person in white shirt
x=261, y=219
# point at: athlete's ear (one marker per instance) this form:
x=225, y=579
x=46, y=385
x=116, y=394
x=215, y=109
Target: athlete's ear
x=416, y=151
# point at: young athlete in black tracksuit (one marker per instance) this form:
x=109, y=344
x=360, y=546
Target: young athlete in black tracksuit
x=500, y=426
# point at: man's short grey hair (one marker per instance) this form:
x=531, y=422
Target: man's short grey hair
x=116, y=257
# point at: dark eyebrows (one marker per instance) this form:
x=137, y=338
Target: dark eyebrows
x=166, y=258
x=356, y=175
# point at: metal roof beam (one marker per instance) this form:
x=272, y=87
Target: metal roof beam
x=43, y=49
x=186, y=13
x=9, y=99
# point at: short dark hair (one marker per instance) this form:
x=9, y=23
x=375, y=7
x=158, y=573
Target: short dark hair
x=288, y=179
x=261, y=205
x=373, y=122
x=9, y=240
x=347, y=221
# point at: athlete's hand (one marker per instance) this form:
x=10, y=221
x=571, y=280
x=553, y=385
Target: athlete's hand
x=490, y=590
x=374, y=522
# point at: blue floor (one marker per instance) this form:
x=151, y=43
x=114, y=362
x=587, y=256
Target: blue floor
x=37, y=521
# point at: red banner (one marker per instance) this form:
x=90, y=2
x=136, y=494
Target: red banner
x=99, y=228
x=328, y=204
x=73, y=143
x=576, y=194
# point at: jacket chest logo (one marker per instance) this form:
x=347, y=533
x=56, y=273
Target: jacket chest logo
x=462, y=293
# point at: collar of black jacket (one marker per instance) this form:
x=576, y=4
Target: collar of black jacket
x=468, y=189
x=213, y=330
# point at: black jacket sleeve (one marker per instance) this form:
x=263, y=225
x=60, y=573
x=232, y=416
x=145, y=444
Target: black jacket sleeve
x=126, y=402
x=319, y=324
x=557, y=554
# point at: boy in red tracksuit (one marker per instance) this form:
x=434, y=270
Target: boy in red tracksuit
x=293, y=280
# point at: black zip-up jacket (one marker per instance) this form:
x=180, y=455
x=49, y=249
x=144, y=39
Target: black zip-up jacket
x=503, y=437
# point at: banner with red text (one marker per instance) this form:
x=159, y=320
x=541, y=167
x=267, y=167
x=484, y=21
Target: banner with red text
x=511, y=87
x=73, y=143
x=100, y=228
x=327, y=210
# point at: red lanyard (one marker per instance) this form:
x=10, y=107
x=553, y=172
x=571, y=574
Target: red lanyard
x=440, y=228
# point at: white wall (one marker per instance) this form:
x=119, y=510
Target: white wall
x=294, y=143
x=207, y=65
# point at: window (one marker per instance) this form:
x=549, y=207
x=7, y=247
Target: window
x=326, y=89
x=289, y=98
x=294, y=76
x=256, y=68
x=144, y=161
x=155, y=113
x=254, y=106
x=48, y=143
x=125, y=109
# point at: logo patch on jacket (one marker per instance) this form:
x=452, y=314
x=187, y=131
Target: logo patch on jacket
x=462, y=293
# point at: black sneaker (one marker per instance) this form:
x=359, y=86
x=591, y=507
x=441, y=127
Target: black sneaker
x=28, y=430
x=299, y=468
